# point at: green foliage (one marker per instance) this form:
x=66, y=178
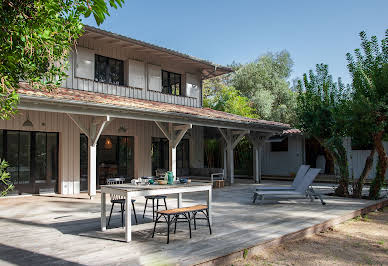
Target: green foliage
x=212, y=152
x=321, y=112
x=369, y=70
x=98, y=8
x=264, y=81
x=35, y=39
x=5, y=179
x=219, y=96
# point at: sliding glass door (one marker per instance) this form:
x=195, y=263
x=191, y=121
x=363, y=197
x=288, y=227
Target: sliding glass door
x=115, y=158
x=32, y=159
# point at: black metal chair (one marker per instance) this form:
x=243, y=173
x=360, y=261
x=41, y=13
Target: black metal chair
x=119, y=200
x=153, y=198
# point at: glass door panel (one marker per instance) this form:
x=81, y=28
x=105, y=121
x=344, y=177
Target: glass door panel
x=12, y=155
x=52, y=158
x=40, y=157
x=24, y=157
x=84, y=154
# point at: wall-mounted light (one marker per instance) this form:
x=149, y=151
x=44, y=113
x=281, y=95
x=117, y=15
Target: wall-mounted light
x=122, y=129
x=108, y=143
x=28, y=123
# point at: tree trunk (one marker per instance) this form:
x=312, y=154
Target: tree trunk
x=338, y=152
x=357, y=192
x=342, y=160
x=382, y=165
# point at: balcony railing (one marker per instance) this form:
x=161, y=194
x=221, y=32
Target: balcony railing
x=130, y=92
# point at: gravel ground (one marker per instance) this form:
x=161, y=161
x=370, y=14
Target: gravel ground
x=360, y=241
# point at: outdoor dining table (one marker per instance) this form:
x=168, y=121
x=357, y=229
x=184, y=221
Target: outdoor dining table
x=129, y=191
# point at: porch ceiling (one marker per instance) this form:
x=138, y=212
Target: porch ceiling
x=98, y=104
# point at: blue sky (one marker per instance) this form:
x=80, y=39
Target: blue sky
x=226, y=31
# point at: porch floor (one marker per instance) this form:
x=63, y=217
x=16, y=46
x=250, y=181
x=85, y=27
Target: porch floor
x=57, y=229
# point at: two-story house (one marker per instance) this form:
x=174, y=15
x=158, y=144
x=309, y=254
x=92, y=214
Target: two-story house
x=127, y=108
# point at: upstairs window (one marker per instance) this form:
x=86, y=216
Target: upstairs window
x=171, y=83
x=109, y=70
x=280, y=145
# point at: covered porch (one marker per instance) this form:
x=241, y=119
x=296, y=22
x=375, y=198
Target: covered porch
x=97, y=117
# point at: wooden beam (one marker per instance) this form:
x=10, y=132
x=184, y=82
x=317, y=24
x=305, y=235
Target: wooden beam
x=164, y=130
x=183, y=127
x=239, y=137
x=180, y=135
x=223, y=134
x=80, y=124
x=103, y=125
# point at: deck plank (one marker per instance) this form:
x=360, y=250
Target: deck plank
x=65, y=230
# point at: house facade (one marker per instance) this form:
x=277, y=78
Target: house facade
x=126, y=109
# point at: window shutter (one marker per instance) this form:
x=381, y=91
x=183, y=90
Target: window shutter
x=84, y=67
x=136, y=74
x=193, y=85
x=154, y=78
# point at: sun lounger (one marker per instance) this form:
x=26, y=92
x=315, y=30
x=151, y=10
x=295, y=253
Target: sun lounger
x=297, y=180
x=303, y=189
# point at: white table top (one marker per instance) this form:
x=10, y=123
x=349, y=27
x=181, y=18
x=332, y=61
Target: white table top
x=131, y=187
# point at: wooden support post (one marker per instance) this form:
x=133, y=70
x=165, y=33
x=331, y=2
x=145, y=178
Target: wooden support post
x=232, y=138
x=93, y=131
x=257, y=140
x=225, y=163
x=174, y=134
x=171, y=158
x=92, y=180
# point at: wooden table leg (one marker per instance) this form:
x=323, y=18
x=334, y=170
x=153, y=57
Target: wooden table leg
x=103, y=211
x=128, y=236
x=179, y=200
x=209, y=205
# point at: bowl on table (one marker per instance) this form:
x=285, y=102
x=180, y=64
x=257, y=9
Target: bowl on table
x=162, y=182
x=183, y=180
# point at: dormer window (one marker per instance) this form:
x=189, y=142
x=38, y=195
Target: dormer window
x=109, y=70
x=171, y=83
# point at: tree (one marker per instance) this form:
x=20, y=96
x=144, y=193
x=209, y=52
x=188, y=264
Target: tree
x=369, y=71
x=35, y=39
x=264, y=81
x=221, y=97
x=321, y=113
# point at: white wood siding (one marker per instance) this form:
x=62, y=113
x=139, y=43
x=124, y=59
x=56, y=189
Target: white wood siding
x=69, y=142
x=196, y=147
x=81, y=74
x=283, y=163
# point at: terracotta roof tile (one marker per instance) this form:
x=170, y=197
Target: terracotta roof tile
x=292, y=131
x=139, y=104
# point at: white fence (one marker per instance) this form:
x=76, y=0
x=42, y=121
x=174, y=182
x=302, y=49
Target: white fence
x=358, y=159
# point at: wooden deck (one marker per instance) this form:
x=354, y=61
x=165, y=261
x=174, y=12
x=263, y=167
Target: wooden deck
x=57, y=229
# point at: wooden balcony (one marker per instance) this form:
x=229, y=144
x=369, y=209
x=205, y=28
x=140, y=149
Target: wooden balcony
x=131, y=92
